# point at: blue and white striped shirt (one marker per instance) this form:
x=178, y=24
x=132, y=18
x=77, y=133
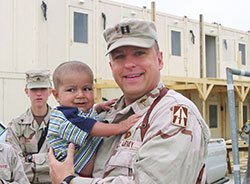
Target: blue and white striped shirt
x=62, y=131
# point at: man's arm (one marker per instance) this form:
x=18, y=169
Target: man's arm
x=19, y=175
x=12, y=138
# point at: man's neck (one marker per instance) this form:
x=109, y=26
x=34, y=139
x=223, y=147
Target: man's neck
x=39, y=111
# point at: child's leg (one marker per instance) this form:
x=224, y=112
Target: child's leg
x=88, y=169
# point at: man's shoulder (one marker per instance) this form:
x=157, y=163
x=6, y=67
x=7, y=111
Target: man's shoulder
x=176, y=98
x=20, y=118
x=6, y=146
x=174, y=101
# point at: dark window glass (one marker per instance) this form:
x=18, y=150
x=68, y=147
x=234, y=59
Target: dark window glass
x=80, y=27
x=176, y=43
x=243, y=53
x=213, y=116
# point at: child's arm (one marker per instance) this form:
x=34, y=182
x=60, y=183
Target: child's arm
x=104, y=105
x=104, y=129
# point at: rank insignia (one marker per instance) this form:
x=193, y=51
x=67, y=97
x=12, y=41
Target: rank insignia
x=125, y=30
x=180, y=116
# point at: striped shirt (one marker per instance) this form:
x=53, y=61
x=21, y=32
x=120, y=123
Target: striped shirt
x=62, y=131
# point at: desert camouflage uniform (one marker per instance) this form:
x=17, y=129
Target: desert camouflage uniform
x=173, y=150
x=24, y=134
x=11, y=167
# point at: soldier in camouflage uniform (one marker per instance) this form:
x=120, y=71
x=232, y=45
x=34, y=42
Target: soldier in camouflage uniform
x=27, y=133
x=168, y=145
x=11, y=167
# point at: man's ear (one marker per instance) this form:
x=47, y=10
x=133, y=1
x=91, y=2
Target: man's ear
x=26, y=91
x=50, y=91
x=160, y=60
x=110, y=64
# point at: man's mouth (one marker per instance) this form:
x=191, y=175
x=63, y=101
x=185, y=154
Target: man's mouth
x=133, y=76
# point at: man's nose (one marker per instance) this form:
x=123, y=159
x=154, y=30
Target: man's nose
x=129, y=62
x=38, y=91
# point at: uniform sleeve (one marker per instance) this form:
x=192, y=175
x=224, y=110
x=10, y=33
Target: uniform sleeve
x=19, y=175
x=12, y=138
x=15, y=169
x=169, y=154
x=66, y=130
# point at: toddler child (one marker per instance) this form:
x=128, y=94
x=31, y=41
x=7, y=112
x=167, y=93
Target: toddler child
x=75, y=120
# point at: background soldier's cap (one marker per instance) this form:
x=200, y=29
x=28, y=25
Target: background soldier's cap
x=38, y=79
x=131, y=32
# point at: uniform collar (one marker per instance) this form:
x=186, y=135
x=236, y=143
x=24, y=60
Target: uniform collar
x=140, y=106
x=29, y=118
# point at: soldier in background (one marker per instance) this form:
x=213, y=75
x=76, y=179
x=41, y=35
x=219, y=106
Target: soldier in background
x=27, y=132
x=11, y=167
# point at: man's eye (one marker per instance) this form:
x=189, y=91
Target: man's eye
x=139, y=53
x=119, y=57
x=87, y=89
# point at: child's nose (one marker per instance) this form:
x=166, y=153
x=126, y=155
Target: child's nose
x=80, y=94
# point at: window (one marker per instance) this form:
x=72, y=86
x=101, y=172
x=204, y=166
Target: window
x=213, y=116
x=80, y=27
x=176, y=43
x=243, y=53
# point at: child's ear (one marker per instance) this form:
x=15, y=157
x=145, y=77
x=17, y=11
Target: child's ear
x=55, y=94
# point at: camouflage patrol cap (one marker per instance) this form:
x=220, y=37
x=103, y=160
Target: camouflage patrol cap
x=38, y=79
x=131, y=32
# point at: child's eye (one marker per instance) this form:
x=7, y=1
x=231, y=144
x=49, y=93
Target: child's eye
x=70, y=90
x=87, y=89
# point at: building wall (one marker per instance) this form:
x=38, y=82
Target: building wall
x=28, y=41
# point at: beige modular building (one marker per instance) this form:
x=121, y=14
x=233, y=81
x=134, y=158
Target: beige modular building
x=42, y=34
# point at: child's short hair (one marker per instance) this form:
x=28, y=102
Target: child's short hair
x=72, y=66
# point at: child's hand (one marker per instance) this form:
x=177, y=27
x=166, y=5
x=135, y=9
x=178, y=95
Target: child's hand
x=107, y=105
x=128, y=123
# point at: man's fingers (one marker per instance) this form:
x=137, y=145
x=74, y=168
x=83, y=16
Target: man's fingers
x=51, y=154
x=71, y=151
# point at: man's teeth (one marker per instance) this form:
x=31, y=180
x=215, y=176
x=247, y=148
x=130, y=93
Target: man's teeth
x=131, y=76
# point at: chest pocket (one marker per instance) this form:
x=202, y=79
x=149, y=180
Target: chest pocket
x=29, y=142
x=125, y=154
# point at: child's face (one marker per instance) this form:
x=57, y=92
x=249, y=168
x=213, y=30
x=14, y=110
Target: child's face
x=75, y=90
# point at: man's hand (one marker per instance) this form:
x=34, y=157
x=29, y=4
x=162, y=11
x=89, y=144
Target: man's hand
x=60, y=170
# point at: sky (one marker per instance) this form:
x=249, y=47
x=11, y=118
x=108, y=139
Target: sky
x=229, y=13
